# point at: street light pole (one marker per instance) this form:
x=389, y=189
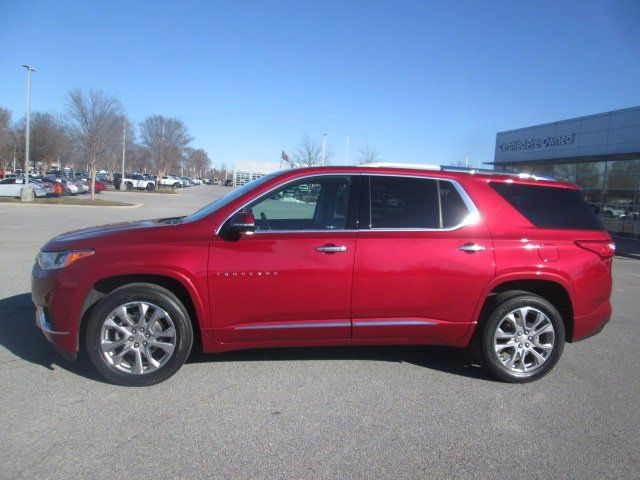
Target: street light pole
x=324, y=148
x=26, y=194
x=124, y=143
x=346, y=160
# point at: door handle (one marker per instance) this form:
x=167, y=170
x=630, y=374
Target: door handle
x=331, y=248
x=472, y=248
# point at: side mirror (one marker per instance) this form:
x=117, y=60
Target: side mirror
x=242, y=223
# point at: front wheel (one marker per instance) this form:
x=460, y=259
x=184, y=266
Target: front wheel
x=150, y=187
x=522, y=339
x=138, y=335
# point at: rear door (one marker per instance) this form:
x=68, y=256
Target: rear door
x=423, y=258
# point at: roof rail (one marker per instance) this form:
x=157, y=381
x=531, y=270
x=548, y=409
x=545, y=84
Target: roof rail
x=486, y=171
x=401, y=165
x=444, y=168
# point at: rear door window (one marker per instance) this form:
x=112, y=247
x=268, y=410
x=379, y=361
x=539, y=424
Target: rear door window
x=414, y=203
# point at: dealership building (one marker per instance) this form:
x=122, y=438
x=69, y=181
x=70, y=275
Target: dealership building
x=600, y=153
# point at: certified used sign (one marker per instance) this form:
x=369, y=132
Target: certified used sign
x=538, y=143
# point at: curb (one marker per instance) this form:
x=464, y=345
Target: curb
x=135, y=205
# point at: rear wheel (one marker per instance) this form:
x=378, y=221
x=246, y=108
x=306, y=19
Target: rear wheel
x=128, y=185
x=522, y=339
x=150, y=186
x=139, y=335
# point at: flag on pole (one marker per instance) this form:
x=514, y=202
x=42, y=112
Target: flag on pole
x=284, y=156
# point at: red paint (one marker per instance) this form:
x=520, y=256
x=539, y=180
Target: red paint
x=394, y=287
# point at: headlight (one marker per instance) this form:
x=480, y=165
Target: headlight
x=53, y=260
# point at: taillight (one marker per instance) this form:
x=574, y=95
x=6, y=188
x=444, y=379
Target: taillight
x=604, y=248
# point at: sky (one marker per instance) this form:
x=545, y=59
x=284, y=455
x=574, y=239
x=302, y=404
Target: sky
x=418, y=81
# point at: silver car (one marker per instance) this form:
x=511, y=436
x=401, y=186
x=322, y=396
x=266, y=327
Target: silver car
x=11, y=187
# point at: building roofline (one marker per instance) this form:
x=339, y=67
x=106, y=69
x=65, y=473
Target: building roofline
x=595, y=115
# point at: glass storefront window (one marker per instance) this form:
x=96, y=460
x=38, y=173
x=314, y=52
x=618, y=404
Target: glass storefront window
x=619, y=196
x=593, y=196
x=591, y=175
x=623, y=167
x=565, y=172
x=623, y=182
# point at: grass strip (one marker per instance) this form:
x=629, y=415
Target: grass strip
x=68, y=201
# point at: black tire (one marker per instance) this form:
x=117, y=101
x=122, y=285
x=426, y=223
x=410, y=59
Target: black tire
x=172, y=328
x=128, y=185
x=520, y=356
x=151, y=187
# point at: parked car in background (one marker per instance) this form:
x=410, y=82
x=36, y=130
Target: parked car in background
x=103, y=177
x=58, y=188
x=170, y=181
x=79, y=176
x=139, y=182
x=12, y=187
x=100, y=186
x=70, y=187
x=83, y=186
x=186, y=182
x=362, y=255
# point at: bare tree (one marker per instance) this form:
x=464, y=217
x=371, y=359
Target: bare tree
x=309, y=152
x=198, y=161
x=49, y=139
x=368, y=155
x=113, y=155
x=19, y=133
x=7, y=137
x=165, y=140
x=93, y=123
x=223, y=172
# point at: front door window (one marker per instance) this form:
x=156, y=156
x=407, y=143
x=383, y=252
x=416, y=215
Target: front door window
x=313, y=204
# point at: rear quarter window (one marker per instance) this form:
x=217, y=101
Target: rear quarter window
x=549, y=207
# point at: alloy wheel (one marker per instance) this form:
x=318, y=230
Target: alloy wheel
x=524, y=339
x=138, y=338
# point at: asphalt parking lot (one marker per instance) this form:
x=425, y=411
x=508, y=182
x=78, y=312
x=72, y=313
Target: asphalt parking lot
x=361, y=413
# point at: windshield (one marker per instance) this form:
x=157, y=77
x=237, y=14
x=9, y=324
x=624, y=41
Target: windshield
x=227, y=199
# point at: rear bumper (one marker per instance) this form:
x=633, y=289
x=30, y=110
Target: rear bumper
x=592, y=324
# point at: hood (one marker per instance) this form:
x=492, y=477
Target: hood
x=105, y=233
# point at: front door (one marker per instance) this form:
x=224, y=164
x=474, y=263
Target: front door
x=291, y=279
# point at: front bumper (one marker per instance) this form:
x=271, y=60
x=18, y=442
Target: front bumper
x=55, y=296
x=53, y=335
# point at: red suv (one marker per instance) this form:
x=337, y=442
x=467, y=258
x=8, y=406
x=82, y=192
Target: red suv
x=511, y=266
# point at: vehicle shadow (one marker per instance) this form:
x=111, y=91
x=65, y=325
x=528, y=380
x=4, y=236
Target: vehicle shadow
x=19, y=335
x=450, y=360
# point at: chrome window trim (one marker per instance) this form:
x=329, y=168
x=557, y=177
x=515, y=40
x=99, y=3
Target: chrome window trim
x=293, y=325
x=473, y=217
x=272, y=232
x=333, y=174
